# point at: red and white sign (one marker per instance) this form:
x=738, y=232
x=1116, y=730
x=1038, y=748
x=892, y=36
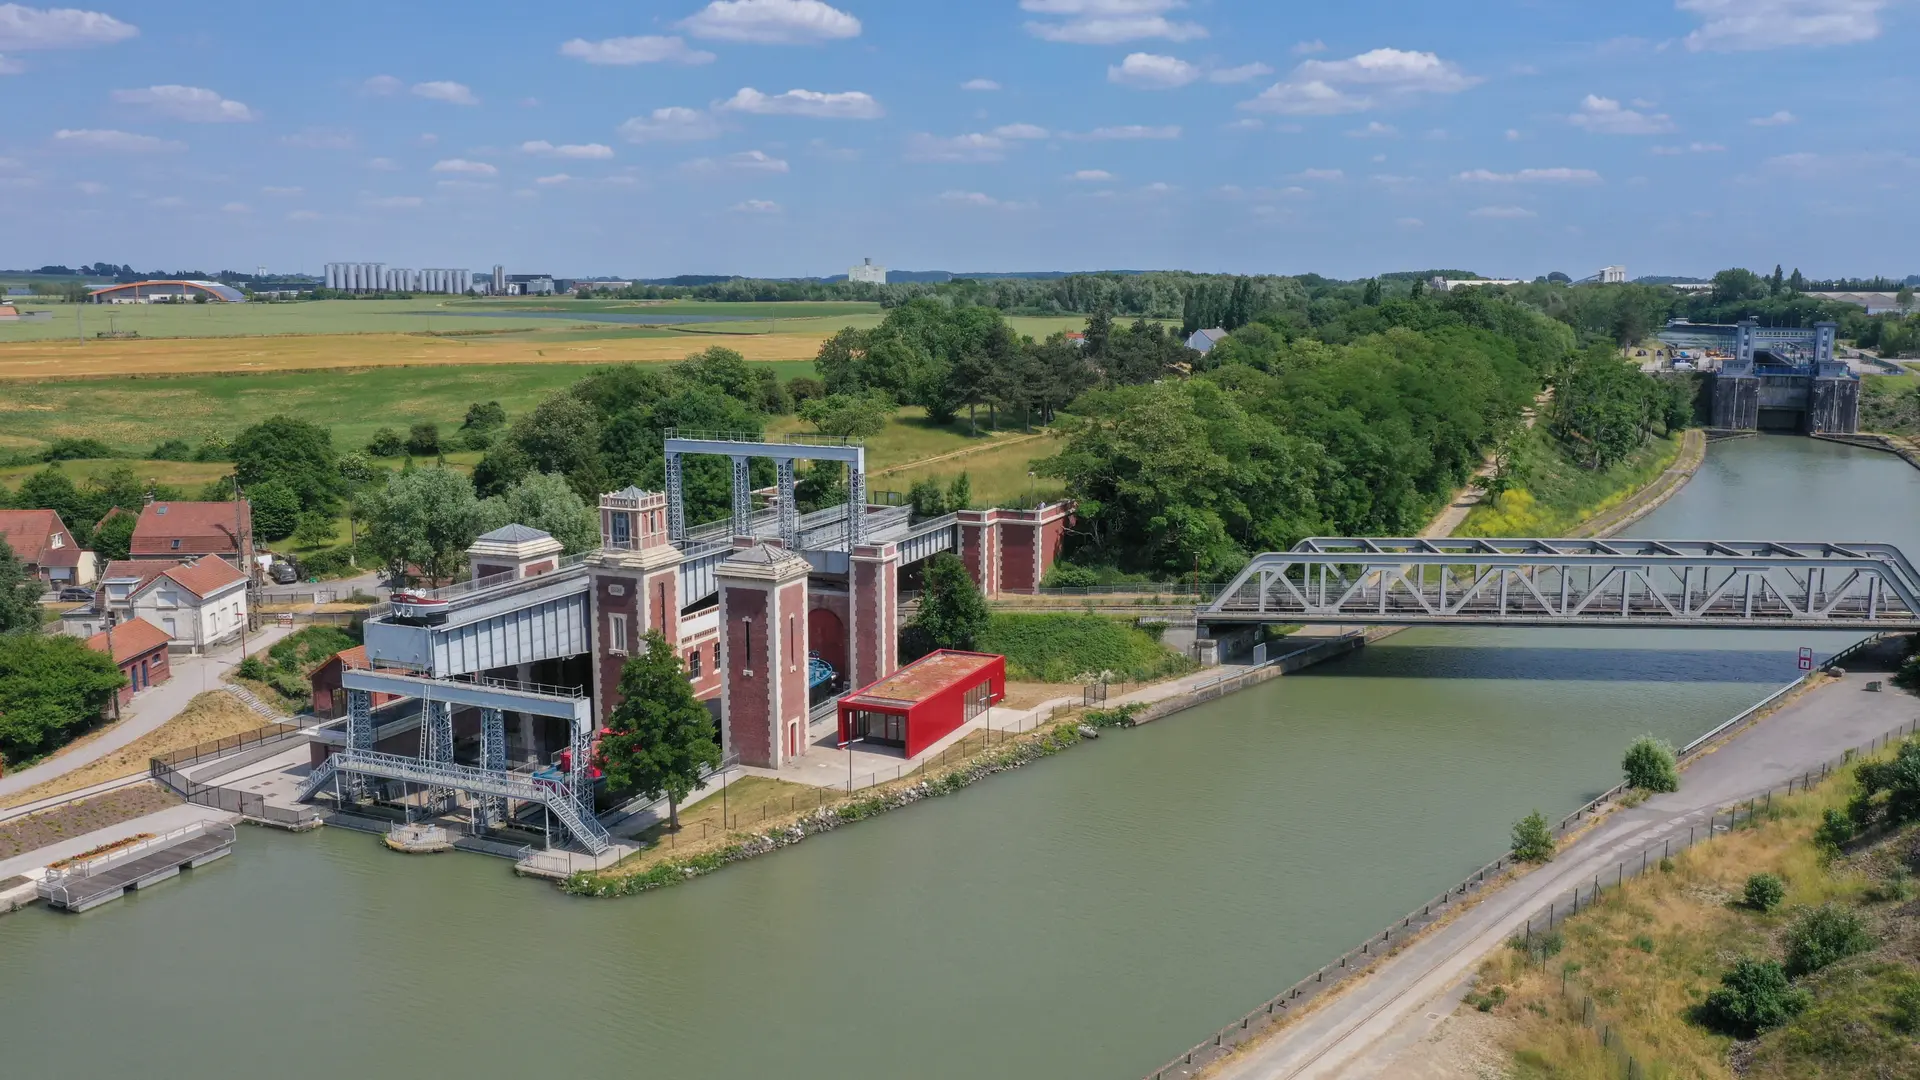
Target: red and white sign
x=1806, y=659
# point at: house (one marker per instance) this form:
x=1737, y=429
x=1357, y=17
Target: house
x=187, y=530
x=140, y=650
x=1203, y=341
x=41, y=540
x=328, y=701
x=198, y=603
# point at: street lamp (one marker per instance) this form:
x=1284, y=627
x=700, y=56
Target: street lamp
x=848, y=747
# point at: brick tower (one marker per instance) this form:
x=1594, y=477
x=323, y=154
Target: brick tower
x=636, y=585
x=763, y=654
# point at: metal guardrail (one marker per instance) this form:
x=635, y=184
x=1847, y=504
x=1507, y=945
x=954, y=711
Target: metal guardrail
x=790, y=438
x=81, y=870
x=496, y=581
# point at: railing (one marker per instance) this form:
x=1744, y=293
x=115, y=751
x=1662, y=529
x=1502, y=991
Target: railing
x=496, y=581
x=78, y=871
x=213, y=748
x=791, y=438
x=496, y=683
x=54, y=802
x=554, y=797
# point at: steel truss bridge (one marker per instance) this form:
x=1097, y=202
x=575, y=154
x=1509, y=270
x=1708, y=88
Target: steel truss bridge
x=1753, y=585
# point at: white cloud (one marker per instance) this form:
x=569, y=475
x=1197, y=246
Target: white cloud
x=452, y=93
x=1158, y=187
x=170, y=201
x=756, y=206
x=771, y=22
x=465, y=185
x=1513, y=135
x=556, y=178
x=583, y=151
x=237, y=208
x=1243, y=73
x=1020, y=131
x=391, y=202
x=980, y=199
x=383, y=164
x=1742, y=25
x=847, y=105
x=382, y=86
x=1131, y=131
x=1392, y=180
x=1410, y=223
x=1320, y=174
x=115, y=141
x=1092, y=176
x=283, y=192
x=194, y=104
x=651, y=49
x=90, y=187
x=1605, y=116
x=1312, y=98
x=319, y=139
x=1109, y=22
x=1308, y=48
x=1366, y=81
x=745, y=160
x=11, y=67
x=1375, y=130
x=675, y=123
x=1690, y=148
x=462, y=165
x=24, y=28
x=1779, y=119
x=1558, y=175
x=1505, y=212
x=980, y=84
x=960, y=148
x=303, y=215
x=1148, y=71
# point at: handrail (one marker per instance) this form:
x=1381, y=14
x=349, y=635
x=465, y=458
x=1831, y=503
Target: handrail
x=795, y=438
x=496, y=581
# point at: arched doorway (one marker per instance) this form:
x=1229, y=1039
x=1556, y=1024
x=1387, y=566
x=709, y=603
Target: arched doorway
x=827, y=637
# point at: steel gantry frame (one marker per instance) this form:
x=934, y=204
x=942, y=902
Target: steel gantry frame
x=1534, y=582
x=742, y=447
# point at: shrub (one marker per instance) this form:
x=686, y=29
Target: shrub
x=1906, y=1009
x=173, y=450
x=1753, y=997
x=1644, y=943
x=1765, y=892
x=1065, y=575
x=1823, y=935
x=1895, y=888
x=1836, y=828
x=1540, y=946
x=424, y=439
x=252, y=668
x=1060, y=648
x=1651, y=765
x=386, y=443
x=1533, y=839
x=71, y=449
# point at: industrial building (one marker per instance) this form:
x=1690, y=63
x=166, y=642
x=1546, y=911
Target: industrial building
x=868, y=273
x=379, y=277
x=167, y=292
x=924, y=702
x=498, y=686
x=1776, y=378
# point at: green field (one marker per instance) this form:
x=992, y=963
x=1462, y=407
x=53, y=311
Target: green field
x=390, y=316
x=134, y=415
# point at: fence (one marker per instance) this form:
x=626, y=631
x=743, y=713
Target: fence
x=1374, y=948
x=991, y=735
x=169, y=770
x=54, y=802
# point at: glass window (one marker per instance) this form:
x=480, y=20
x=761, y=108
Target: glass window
x=693, y=664
x=617, y=633
x=622, y=529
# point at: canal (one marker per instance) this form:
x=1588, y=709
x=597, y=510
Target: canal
x=1082, y=918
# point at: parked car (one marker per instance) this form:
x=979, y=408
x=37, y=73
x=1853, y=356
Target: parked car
x=284, y=573
x=76, y=594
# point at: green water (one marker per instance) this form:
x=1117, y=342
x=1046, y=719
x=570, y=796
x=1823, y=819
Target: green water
x=1088, y=916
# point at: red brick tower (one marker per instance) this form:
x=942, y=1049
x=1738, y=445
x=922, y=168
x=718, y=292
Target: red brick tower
x=763, y=655
x=873, y=629
x=636, y=585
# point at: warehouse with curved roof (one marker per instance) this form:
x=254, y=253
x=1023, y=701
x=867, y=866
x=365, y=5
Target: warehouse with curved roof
x=147, y=292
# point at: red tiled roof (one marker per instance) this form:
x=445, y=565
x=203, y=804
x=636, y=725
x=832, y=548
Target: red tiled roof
x=205, y=577
x=30, y=534
x=203, y=528
x=131, y=639
x=140, y=571
x=354, y=659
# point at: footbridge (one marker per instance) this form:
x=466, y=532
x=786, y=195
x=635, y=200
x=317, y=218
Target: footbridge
x=1753, y=585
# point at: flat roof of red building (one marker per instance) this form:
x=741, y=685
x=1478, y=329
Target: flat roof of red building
x=924, y=678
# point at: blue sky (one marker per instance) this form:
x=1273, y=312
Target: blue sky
x=793, y=137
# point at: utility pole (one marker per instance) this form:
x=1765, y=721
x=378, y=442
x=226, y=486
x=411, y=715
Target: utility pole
x=243, y=548
x=114, y=660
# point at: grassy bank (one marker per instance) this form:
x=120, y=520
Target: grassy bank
x=215, y=714
x=1059, y=648
x=1650, y=952
x=1551, y=493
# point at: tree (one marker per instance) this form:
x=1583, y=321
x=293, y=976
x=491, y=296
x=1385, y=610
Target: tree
x=1764, y=892
x=313, y=530
x=356, y=470
x=423, y=439
x=960, y=492
x=1903, y=299
x=50, y=688
x=1650, y=765
x=544, y=501
x=1776, y=282
x=926, y=498
x=1099, y=331
x=386, y=442
x=1371, y=297
x=1754, y=996
x=276, y=509
x=19, y=593
x=561, y=435
x=1533, y=839
x=659, y=738
x=52, y=489
x=425, y=518
x=953, y=614
x=114, y=538
x=1798, y=282
x=856, y=416
x=294, y=452
x=1899, y=779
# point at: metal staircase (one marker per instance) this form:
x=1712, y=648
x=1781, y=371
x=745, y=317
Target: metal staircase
x=578, y=820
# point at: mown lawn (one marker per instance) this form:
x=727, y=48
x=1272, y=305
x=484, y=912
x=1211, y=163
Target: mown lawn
x=997, y=474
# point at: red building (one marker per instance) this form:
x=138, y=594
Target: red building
x=186, y=529
x=924, y=702
x=328, y=701
x=140, y=649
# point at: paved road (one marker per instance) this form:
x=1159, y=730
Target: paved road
x=1378, y=1026
x=149, y=709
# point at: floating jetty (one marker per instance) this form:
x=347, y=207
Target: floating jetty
x=87, y=883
